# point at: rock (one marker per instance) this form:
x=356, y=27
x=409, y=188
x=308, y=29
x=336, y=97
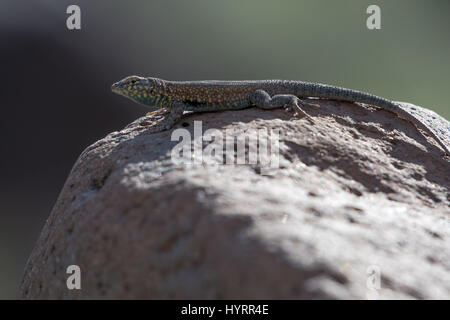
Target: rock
x=358, y=207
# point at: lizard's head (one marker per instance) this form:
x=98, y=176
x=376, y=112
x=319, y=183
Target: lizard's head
x=142, y=90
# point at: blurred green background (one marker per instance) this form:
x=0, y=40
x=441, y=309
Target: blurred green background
x=55, y=84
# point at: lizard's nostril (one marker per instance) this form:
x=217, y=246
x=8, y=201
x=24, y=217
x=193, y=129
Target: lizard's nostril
x=115, y=86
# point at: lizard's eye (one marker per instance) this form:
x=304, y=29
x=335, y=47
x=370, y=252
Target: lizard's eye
x=132, y=80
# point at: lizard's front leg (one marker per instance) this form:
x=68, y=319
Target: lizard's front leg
x=262, y=99
x=171, y=118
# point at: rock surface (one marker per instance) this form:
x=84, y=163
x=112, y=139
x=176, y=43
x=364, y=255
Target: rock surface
x=358, y=208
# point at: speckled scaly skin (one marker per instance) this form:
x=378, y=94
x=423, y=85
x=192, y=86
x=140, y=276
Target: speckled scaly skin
x=173, y=97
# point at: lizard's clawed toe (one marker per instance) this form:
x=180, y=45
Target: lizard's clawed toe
x=308, y=104
x=300, y=111
x=155, y=113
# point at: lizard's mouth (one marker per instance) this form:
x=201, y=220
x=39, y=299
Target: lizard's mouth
x=116, y=88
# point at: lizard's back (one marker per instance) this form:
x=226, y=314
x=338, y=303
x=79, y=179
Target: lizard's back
x=233, y=90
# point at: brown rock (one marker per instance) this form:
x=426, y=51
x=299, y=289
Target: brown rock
x=358, y=192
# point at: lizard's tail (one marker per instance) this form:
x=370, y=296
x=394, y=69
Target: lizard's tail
x=343, y=94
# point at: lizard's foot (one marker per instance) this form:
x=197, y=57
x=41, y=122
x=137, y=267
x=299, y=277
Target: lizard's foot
x=306, y=103
x=153, y=119
x=156, y=113
x=296, y=107
x=170, y=118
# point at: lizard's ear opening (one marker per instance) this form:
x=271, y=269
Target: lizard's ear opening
x=154, y=83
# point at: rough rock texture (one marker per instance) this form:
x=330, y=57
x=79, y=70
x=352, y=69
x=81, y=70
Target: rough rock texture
x=360, y=193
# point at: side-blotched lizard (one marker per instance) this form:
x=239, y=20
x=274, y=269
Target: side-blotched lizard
x=172, y=98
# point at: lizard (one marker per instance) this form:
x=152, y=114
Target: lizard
x=171, y=98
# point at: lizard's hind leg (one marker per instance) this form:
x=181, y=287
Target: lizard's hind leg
x=262, y=99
